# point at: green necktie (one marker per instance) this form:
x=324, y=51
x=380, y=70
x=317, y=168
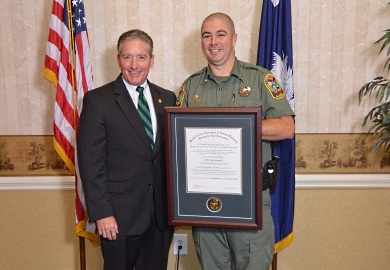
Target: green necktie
x=144, y=113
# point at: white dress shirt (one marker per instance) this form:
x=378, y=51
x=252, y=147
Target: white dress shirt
x=134, y=96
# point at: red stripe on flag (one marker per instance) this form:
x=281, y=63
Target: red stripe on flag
x=64, y=143
x=55, y=39
x=66, y=108
x=51, y=64
x=58, y=10
x=80, y=55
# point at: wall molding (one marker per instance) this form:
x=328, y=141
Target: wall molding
x=342, y=181
x=301, y=181
x=37, y=183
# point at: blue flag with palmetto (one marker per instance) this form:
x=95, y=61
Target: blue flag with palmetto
x=275, y=54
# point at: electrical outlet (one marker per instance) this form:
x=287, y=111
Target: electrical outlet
x=180, y=240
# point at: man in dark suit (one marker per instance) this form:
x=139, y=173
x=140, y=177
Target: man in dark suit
x=121, y=157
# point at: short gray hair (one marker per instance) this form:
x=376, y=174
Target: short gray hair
x=136, y=34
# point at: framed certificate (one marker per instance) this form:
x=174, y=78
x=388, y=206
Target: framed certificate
x=214, y=167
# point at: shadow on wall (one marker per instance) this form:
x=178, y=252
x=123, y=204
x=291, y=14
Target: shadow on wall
x=111, y=65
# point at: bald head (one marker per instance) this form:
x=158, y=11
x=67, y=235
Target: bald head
x=220, y=16
x=218, y=41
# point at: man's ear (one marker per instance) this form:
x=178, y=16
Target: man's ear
x=234, y=39
x=152, y=61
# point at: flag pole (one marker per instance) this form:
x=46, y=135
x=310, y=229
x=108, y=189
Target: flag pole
x=82, y=253
x=73, y=61
x=275, y=262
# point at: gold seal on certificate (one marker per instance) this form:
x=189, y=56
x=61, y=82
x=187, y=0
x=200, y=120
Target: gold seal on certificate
x=214, y=204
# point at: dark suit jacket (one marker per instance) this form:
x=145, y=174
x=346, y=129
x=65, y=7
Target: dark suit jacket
x=121, y=175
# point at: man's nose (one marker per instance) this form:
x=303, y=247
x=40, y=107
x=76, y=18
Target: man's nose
x=212, y=40
x=134, y=62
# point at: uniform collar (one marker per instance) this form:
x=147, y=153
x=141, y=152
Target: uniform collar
x=236, y=71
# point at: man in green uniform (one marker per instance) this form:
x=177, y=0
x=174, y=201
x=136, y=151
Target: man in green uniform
x=228, y=82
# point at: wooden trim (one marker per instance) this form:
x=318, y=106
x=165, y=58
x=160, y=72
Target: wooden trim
x=301, y=181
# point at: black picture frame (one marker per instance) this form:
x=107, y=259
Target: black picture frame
x=242, y=210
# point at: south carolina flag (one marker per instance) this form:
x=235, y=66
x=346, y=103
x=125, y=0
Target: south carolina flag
x=275, y=54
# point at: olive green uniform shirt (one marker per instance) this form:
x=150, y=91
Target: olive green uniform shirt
x=247, y=86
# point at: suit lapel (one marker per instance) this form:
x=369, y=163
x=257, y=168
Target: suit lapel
x=129, y=110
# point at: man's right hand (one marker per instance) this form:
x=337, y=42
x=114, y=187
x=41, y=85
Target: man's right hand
x=107, y=227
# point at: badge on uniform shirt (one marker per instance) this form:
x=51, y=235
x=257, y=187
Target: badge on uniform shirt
x=244, y=91
x=274, y=86
x=180, y=97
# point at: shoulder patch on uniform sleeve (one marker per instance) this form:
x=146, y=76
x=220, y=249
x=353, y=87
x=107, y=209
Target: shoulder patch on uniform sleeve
x=180, y=97
x=274, y=86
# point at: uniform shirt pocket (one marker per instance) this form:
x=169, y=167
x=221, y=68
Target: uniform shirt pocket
x=247, y=102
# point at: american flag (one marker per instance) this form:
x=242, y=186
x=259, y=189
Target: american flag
x=68, y=67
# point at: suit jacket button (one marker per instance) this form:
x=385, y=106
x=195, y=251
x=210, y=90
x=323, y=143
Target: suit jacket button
x=150, y=185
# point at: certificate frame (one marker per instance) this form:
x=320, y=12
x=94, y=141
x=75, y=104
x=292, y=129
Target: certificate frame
x=215, y=209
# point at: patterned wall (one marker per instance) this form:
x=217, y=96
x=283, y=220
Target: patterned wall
x=333, y=53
